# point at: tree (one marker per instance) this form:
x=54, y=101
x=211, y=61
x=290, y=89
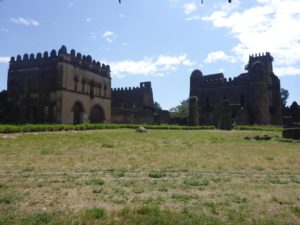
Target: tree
x=157, y=105
x=181, y=110
x=284, y=94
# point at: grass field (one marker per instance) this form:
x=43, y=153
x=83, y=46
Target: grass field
x=161, y=177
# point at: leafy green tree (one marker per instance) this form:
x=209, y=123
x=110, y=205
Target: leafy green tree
x=157, y=105
x=284, y=94
x=181, y=110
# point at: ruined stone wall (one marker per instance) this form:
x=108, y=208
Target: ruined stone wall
x=133, y=96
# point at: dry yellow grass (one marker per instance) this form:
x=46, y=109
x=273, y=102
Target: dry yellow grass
x=217, y=173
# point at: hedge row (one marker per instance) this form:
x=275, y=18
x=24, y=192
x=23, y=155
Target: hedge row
x=66, y=127
x=258, y=127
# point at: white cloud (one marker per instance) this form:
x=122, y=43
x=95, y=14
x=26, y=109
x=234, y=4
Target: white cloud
x=25, y=21
x=88, y=20
x=4, y=59
x=193, y=18
x=70, y=4
x=269, y=25
x=219, y=56
x=109, y=36
x=149, y=66
x=189, y=8
x=173, y=3
x=288, y=70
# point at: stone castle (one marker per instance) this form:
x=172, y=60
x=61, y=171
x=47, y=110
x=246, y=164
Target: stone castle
x=59, y=88
x=250, y=98
x=71, y=88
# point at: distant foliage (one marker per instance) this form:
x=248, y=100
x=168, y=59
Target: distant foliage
x=284, y=94
x=181, y=110
x=157, y=105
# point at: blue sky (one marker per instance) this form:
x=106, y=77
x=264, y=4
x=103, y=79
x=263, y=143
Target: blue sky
x=161, y=41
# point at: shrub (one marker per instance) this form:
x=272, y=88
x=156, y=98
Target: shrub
x=157, y=174
x=61, y=127
x=292, y=133
x=94, y=213
x=98, y=181
x=196, y=182
x=258, y=127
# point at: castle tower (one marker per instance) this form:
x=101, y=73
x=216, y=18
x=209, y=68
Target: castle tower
x=265, y=90
x=193, y=111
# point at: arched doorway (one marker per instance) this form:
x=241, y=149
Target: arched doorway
x=97, y=114
x=77, y=112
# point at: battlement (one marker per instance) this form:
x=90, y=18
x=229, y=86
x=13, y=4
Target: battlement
x=265, y=55
x=218, y=80
x=262, y=57
x=40, y=60
x=143, y=86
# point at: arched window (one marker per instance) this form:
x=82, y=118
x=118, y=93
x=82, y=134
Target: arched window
x=83, y=83
x=92, y=84
x=77, y=112
x=97, y=114
x=105, y=90
x=76, y=83
x=100, y=89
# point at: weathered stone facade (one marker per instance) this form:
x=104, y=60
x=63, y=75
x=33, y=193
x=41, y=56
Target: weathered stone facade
x=59, y=88
x=251, y=98
x=136, y=105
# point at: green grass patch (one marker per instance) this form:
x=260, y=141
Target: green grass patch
x=258, y=128
x=196, y=181
x=93, y=214
x=98, y=182
x=157, y=174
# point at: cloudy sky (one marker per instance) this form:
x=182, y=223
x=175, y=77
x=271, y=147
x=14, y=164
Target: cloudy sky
x=161, y=41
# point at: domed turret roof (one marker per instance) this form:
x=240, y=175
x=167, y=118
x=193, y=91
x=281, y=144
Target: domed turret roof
x=196, y=74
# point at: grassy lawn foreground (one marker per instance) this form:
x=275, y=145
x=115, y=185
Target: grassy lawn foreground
x=160, y=177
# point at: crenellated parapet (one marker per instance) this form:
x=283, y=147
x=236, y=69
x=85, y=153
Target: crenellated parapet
x=264, y=58
x=133, y=96
x=54, y=57
x=218, y=80
x=126, y=89
x=143, y=86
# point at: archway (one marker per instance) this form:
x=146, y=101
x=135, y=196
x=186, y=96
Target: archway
x=97, y=114
x=77, y=113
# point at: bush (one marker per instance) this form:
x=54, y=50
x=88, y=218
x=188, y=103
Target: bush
x=99, y=182
x=157, y=174
x=196, y=182
x=258, y=127
x=94, y=214
x=65, y=127
x=291, y=133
